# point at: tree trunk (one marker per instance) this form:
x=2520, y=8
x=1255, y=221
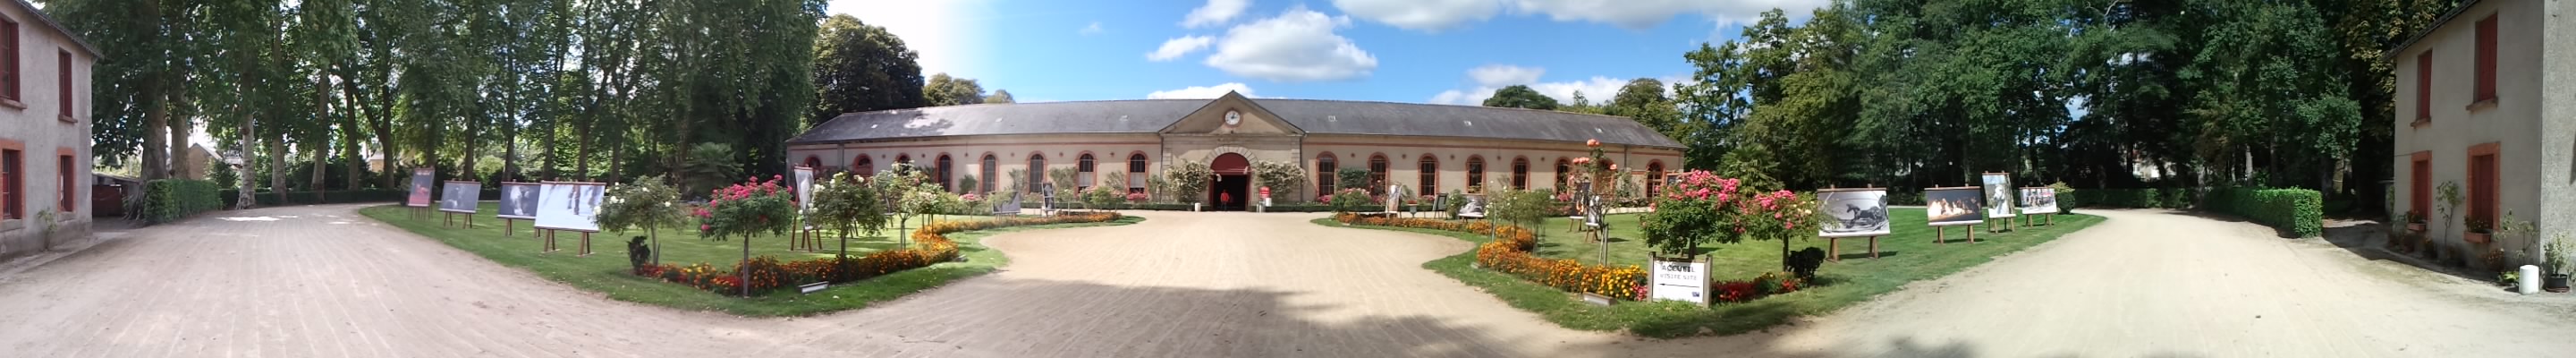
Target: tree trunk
x=178, y=134
x=156, y=137
x=249, y=158
x=277, y=165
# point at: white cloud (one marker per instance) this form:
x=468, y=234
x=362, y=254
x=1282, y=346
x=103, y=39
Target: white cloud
x=1598, y=89
x=1494, y=77
x=1299, y=45
x=1504, y=75
x=1216, y=12
x=1202, y=92
x=1640, y=14
x=1434, y=15
x=1425, y=15
x=1176, y=47
x=945, y=32
x=1094, y=29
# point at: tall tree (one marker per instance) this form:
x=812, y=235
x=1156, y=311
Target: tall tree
x=943, y=90
x=999, y=96
x=859, y=68
x=1520, y=96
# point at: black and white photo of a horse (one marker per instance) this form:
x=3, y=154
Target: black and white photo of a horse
x=1853, y=213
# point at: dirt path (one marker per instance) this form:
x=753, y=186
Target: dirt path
x=322, y=281
x=2161, y=283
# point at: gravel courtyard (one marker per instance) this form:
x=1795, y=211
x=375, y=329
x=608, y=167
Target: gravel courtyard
x=323, y=281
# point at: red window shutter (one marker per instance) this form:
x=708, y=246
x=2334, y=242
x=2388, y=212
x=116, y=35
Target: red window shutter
x=2424, y=85
x=11, y=173
x=9, y=60
x=2486, y=59
x=63, y=91
x=2422, y=190
x=69, y=191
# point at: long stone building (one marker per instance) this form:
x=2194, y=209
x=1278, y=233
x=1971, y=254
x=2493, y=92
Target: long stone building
x=1424, y=148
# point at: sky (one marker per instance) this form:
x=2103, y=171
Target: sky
x=1418, y=51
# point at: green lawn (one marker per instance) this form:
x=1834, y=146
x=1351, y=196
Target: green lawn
x=606, y=269
x=1908, y=255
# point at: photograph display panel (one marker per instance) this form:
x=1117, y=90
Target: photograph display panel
x=1954, y=206
x=570, y=206
x=1860, y=212
x=458, y=196
x=519, y=200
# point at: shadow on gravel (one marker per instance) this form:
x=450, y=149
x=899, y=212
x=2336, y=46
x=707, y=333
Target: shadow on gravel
x=2369, y=240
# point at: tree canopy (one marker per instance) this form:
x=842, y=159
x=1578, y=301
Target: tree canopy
x=1520, y=96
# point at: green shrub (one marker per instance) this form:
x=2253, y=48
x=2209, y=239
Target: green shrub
x=271, y=198
x=169, y=200
x=2298, y=212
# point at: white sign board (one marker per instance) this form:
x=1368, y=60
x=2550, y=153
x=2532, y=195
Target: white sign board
x=804, y=189
x=570, y=206
x=1680, y=281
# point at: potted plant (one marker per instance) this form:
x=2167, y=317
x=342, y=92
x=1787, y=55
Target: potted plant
x=2415, y=221
x=2554, y=263
x=2481, y=230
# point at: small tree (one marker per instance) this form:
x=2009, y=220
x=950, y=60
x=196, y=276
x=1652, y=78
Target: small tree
x=1354, y=178
x=1283, y=178
x=2449, y=195
x=1349, y=199
x=645, y=204
x=1101, y=197
x=747, y=209
x=846, y=203
x=1703, y=208
x=1516, y=206
x=1067, y=189
x=1188, y=179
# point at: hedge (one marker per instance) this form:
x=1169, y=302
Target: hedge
x=768, y=273
x=2299, y=212
x=168, y=200
x=270, y=198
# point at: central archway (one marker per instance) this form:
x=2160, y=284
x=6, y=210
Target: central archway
x=1233, y=181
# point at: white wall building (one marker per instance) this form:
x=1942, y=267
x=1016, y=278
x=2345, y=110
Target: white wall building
x=2486, y=99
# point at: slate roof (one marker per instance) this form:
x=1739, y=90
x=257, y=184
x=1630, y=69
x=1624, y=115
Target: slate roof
x=1313, y=116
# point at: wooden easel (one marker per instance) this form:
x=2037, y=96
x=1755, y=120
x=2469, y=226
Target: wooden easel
x=1833, y=244
x=449, y=219
x=1938, y=231
x=549, y=236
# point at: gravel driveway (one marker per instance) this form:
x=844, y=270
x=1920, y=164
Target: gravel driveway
x=323, y=281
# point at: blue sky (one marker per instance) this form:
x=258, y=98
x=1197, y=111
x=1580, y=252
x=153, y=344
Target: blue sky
x=1425, y=51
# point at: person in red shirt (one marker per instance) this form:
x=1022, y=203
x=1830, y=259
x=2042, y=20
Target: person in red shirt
x=1226, y=199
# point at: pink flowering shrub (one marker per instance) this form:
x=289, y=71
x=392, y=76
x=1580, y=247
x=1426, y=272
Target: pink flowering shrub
x=1701, y=207
x=749, y=208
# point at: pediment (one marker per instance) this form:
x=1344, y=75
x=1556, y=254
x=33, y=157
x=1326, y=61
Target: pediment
x=1211, y=119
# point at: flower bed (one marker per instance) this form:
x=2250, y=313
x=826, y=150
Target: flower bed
x=1510, y=253
x=932, y=247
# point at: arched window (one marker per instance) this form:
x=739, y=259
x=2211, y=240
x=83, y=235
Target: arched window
x=1430, y=175
x=864, y=166
x=1324, y=167
x=1520, y=173
x=1037, y=171
x=1084, y=165
x=1475, y=170
x=813, y=162
x=1136, y=173
x=1377, y=174
x=946, y=182
x=991, y=164
x=1654, y=177
x=1564, y=170
x=903, y=159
